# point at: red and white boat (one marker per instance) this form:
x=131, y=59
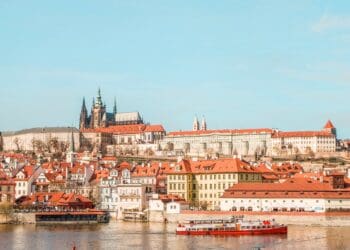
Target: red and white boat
x=230, y=227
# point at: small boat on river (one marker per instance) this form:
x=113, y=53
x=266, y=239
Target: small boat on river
x=233, y=226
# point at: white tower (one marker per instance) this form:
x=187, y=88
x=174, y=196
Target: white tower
x=195, y=124
x=203, y=124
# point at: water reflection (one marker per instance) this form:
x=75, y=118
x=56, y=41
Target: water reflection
x=159, y=236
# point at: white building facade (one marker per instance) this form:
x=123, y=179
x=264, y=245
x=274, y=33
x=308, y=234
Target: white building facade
x=301, y=195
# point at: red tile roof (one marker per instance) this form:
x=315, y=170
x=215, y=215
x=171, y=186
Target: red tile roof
x=291, y=188
x=56, y=199
x=146, y=171
x=128, y=129
x=154, y=128
x=170, y=197
x=5, y=180
x=229, y=165
x=329, y=125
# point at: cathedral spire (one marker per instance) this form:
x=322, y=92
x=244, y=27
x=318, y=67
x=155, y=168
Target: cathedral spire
x=83, y=106
x=72, y=147
x=195, y=124
x=99, y=98
x=115, y=106
x=204, y=124
x=83, y=116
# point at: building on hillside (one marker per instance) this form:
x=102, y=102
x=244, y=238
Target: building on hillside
x=226, y=142
x=123, y=138
x=305, y=142
x=201, y=142
x=7, y=188
x=25, y=178
x=50, y=139
x=202, y=183
x=295, y=194
x=121, y=197
x=146, y=175
x=99, y=117
x=170, y=204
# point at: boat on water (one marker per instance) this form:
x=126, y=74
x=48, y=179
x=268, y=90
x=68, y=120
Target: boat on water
x=233, y=226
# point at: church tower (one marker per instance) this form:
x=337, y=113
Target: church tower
x=203, y=124
x=70, y=156
x=115, y=107
x=97, y=111
x=329, y=127
x=83, y=123
x=195, y=124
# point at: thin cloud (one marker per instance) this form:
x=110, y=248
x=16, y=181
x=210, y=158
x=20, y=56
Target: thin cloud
x=329, y=22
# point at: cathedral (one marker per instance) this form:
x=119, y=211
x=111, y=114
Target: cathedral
x=100, y=118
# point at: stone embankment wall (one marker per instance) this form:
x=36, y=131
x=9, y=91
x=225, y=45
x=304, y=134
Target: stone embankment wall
x=290, y=218
x=20, y=218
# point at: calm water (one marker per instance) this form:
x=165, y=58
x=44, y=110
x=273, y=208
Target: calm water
x=120, y=235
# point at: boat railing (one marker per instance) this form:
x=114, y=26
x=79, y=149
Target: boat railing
x=233, y=219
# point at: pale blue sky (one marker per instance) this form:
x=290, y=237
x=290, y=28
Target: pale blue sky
x=242, y=64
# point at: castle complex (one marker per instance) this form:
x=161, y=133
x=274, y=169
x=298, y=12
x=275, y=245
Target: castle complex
x=113, y=132
x=100, y=118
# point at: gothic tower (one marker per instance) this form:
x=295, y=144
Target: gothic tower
x=115, y=107
x=83, y=123
x=97, y=111
x=195, y=124
x=203, y=124
x=329, y=127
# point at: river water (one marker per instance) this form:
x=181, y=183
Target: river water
x=122, y=235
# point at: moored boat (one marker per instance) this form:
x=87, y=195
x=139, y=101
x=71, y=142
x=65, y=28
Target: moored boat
x=233, y=226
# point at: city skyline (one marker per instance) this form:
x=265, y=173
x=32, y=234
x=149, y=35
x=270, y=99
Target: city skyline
x=281, y=70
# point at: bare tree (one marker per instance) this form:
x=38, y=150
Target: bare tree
x=16, y=142
x=149, y=152
x=6, y=208
x=53, y=144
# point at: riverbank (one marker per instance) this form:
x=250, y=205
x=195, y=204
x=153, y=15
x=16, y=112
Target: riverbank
x=290, y=218
x=55, y=217
x=333, y=219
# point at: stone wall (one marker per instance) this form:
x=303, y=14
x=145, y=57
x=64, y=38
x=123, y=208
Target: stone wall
x=321, y=219
x=21, y=218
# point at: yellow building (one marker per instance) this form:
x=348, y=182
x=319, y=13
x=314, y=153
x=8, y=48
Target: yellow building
x=202, y=183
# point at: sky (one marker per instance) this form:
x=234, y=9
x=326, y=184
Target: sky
x=240, y=64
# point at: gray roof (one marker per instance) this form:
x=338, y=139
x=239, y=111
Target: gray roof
x=127, y=116
x=41, y=130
